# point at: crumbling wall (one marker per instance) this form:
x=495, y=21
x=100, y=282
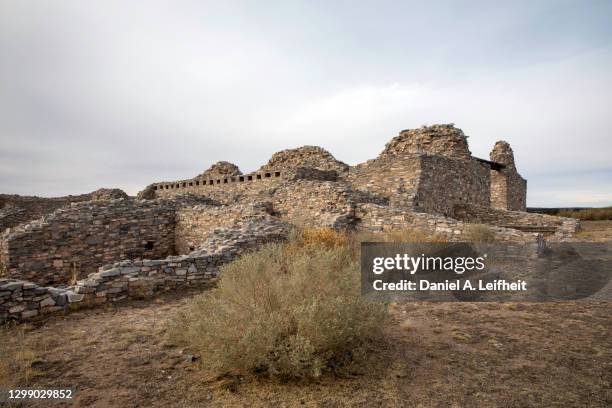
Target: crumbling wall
x=508, y=188
x=305, y=156
x=557, y=228
x=21, y=300
x=376, y=218
x=195, y=225
x=442, y=140
x=76, y=240
x=226, y=185
x=446, y=181
x=307, y=162
x=16, y=209
x=314, y=203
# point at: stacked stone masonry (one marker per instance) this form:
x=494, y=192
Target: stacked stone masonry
x=77, y=239
x=20, y=300
x=178, y=233
x=16, y=210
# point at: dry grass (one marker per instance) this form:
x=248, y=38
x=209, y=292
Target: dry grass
x=479, y=233
x=296, y=316
x=16, y=357
x=320, y=237
x=589, y=214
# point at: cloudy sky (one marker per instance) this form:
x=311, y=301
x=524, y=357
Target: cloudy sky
x=123, y=93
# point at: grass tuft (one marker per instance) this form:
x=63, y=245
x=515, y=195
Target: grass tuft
x=16, y=357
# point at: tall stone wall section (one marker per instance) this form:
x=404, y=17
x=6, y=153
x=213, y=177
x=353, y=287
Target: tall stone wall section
x=389, y=178
x=446, y=181
x=508, y=188
x=74, y=241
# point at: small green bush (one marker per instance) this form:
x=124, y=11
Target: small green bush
x=285, y=316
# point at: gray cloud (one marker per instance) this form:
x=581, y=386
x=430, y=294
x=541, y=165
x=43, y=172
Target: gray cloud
x=122, y=93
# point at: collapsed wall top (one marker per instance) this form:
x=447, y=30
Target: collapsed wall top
x=305, y=156
x=502, y=153
x=108, y=194
x=444, y=140
x=221, y=168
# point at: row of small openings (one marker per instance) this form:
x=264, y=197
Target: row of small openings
x=211, y=182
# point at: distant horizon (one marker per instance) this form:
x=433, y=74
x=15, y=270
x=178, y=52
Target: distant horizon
x=165, y=90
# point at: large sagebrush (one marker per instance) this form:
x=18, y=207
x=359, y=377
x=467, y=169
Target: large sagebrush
x=283, y=313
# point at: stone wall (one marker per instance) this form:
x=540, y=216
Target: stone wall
x=439, y=140
x=195, y=225
x=238, y=184
x=305, y=156
x=508, y=188
x=76, y=240
x=388, y=178
x=16, y=209
x=308, y=162
x=21, y=300
x=429, y=169
x=446, y=181
x=555, y=228
x=314, y=203
x=376, y=218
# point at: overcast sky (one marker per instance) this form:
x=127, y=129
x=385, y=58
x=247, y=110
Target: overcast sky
x=123, y=93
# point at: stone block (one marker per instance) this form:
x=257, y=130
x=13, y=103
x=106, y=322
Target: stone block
x=75, y=297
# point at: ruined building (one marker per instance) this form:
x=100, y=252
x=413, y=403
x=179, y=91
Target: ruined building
x=179, y=232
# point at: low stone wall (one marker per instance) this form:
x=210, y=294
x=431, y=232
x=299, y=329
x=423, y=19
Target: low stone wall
x=21, y=300
x=74, y=241
x=376, y=218
x=561, y=228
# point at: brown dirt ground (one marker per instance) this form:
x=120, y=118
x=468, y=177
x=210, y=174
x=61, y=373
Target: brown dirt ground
x=435, y=355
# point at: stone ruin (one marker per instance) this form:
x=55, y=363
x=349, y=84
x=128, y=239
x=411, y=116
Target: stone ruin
x=59, y=254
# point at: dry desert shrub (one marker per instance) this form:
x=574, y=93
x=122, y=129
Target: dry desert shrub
x=479, y=233
x=318, y=237
x=287, y=317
